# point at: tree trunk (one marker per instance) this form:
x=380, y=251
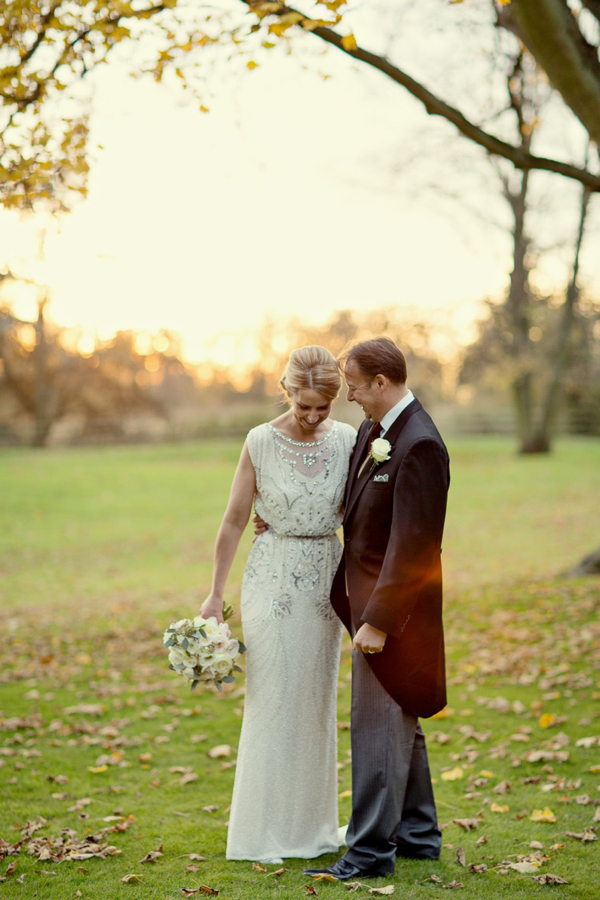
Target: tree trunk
x=45, y=398
x=551, y=33
x=518, y=305
x=562, y=355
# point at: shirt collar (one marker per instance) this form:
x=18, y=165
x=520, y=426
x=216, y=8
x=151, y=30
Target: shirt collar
x=392, y=414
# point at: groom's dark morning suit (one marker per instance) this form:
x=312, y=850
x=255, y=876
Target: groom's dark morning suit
x=390, y=576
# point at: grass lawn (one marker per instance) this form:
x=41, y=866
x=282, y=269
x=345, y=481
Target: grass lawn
x=100, y=548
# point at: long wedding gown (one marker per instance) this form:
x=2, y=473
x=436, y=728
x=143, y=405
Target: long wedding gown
x=285, y=794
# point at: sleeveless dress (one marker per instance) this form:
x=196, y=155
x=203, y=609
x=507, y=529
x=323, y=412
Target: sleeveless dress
x=285, y=793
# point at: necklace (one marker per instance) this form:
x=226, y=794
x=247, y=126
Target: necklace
x=303, y=443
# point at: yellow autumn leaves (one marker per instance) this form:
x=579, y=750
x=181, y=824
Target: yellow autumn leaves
x=542, y=815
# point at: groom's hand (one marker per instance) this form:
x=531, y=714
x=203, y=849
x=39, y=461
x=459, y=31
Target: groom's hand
x=369, y=639
x=259, y=525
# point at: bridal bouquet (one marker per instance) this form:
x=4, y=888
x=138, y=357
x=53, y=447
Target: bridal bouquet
x=203, y=650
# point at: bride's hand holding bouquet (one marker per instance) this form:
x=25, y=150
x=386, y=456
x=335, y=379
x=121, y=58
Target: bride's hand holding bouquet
x=202, y=649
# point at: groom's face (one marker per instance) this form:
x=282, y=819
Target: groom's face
x=362, y=389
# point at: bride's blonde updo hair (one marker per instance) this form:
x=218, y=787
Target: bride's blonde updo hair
x=312, y=368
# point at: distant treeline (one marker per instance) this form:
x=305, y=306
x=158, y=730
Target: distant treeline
x=137, y=386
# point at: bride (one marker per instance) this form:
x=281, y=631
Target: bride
x=294, y=469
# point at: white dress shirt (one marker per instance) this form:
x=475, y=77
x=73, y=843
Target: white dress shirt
x=392, y=414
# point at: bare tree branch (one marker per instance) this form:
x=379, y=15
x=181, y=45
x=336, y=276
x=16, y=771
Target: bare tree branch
x=435, y=106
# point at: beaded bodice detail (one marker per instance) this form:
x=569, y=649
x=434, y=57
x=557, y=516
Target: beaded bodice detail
x=300, y=486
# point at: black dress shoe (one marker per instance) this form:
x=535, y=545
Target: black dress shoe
x=342, y=870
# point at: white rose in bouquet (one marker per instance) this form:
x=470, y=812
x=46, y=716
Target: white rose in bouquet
x=203, y=650
x=223, y=664
x=179, y=657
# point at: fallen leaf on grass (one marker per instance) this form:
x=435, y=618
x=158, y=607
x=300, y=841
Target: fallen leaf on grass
x=79, y=804
x=85, y=709
x=388, y=889
x=219, y=751
x=278, y=872
x=11, y=868
x=477, y=869
x=258, y=868
x=152, y=856
x=435, y=878
x=310, y=890
x=495, y=807
x=453, y=884
x=482, y=840
x=133, y=877
x=467, y=824
x=210, y=809
x=502, y=788
x=549, y=879
x=524, y=868
x=192, y=868
x=196, y=857
x=324, y=877
x=585, y=836
x=186, y=779
x=452, y=774
x=461, y=858
x=548, y=756
x=542, y=815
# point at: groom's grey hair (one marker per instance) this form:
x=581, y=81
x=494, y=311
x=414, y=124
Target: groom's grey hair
x=379, y=356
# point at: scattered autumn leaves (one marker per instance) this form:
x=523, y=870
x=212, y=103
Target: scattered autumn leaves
x=545, y=652
x=521, y=745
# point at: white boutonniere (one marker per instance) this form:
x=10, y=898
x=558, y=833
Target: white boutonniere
x=379, y=452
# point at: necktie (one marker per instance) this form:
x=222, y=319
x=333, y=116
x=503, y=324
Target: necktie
x=374, y=433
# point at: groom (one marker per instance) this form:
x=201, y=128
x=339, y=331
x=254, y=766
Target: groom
x=388, y=593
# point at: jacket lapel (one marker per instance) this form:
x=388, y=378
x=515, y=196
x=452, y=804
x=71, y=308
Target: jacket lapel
x=357, y=457
x=356, y=484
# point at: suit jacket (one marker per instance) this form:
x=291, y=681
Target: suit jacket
x=390, y=574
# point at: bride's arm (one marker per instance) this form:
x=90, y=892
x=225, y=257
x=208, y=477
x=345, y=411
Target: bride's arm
x=229, y=534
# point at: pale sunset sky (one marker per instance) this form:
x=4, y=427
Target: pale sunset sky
x=281, y=200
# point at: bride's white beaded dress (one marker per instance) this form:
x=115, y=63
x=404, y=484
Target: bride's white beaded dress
x=285, y=794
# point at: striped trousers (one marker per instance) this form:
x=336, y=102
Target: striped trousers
x=393, y=809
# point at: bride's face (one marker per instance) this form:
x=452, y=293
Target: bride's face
x=310, y=408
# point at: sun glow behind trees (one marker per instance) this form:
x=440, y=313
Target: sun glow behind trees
x=205, y=224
